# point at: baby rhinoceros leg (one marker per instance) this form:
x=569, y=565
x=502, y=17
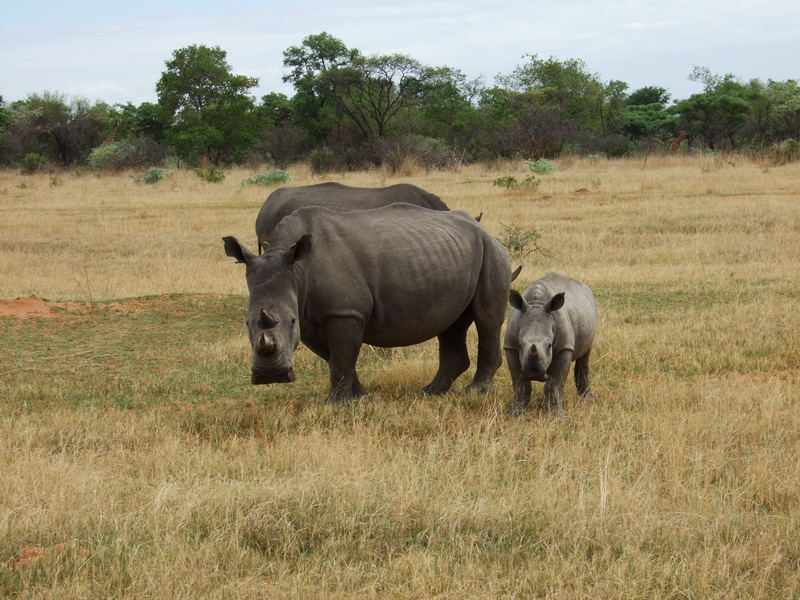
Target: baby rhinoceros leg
x=554, y=386
x=522, y=388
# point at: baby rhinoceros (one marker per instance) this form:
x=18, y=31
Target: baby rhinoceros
x=553, y=323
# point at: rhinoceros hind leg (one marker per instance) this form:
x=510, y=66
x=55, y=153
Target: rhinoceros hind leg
x=582, y=377
x=453, y=356
x=489, y=356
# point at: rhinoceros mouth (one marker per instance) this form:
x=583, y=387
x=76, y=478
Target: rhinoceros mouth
x=534, y=376
x=263, y=378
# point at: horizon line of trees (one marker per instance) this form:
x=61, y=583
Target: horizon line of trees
x=351, y=110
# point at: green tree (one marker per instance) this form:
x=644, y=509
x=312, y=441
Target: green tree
x=783, y=121
x=720, y=112
x=650, y=94
x=48, y=124
x=645, y=116
x=313, y=105
x=374, y=90
x=213, y=116
x=579, y=96
x=449, y=109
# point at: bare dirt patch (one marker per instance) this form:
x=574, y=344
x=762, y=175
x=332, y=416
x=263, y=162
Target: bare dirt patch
x=32, y=554
x=33, y=306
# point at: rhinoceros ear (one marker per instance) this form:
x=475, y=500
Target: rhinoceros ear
x=555, y=303
x=235, y=250
x=517, y=301
x=300, y=249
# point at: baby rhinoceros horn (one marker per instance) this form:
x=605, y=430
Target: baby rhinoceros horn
x=265, y=344
x=266, y=320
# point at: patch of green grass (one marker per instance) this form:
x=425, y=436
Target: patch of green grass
x=112, y=357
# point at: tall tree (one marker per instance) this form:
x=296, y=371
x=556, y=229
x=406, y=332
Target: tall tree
x=720, y=112
x=314, y=107
x=212, y=113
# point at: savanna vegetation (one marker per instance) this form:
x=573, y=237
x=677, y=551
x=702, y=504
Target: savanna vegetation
x=351, y=111
x=138, y=461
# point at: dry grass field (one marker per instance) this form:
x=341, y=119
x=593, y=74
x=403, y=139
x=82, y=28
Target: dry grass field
x=136, y=460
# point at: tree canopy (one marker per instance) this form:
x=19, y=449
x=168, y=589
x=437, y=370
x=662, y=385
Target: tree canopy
x=352, y=109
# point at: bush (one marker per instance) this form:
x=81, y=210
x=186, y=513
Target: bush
x=418, y=150
x=210, y=174
x=126, y=154
x=324, y=160
x=112, y=155
x=269, y=178
x=541, y=166
x=521, y=242
x=784, y=152
x=510, y=182
x=152, y=175
x=32, y=162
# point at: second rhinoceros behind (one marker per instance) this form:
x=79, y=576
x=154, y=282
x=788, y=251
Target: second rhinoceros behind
x=553, y=324
x=391, y=276
x=330, y=194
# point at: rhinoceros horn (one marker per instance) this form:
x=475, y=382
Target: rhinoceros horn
x=266, y=320
x=264, y=344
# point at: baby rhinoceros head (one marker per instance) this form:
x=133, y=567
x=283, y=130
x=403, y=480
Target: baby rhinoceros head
x=537, y=329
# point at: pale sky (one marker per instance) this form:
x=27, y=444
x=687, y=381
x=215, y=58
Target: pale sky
x=115, y=51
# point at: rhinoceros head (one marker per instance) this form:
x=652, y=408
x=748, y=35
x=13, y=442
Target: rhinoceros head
x=273, y=313
x=536, y=334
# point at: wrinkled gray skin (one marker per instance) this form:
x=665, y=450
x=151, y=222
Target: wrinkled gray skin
x=552, y=324
x=336, y=196
x=391, y=276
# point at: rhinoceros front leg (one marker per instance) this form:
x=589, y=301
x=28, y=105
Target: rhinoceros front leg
x=554, y=386
x=522, y=388
x=344, y=337
x=453, y=356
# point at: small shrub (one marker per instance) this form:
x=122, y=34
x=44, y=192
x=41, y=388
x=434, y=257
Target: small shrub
x=541, y=166
x=112, y=155
x=270, y=178
x=32, y=162
x=324, y=160
x=126, y=154
x=152, y=175
x=510, y=182
x=211, y=174
x=521, y=242
x=785, y=152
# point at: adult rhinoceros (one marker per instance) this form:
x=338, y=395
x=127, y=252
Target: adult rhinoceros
x=391, y=276
x=336, y=196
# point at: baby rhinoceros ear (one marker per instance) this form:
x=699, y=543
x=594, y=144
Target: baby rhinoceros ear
x=555, y=303
x=517, y=301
